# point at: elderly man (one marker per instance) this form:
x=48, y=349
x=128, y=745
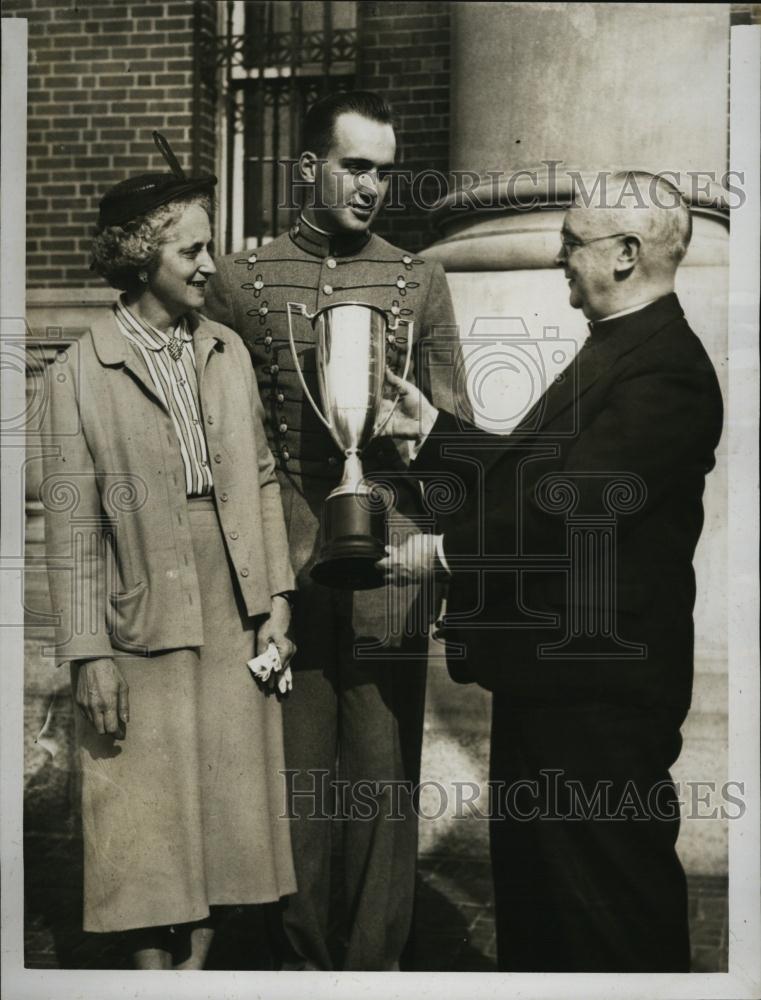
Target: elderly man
x=581, y=621
x=359, y=677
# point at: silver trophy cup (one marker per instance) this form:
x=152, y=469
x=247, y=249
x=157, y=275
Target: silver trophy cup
x=350, y=340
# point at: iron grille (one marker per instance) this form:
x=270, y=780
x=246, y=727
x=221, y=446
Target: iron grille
x=274, y=59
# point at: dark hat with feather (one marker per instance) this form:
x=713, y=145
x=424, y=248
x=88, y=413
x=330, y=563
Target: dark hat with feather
x=139, y=195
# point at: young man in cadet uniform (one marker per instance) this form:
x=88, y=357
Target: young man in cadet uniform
x=364, y=712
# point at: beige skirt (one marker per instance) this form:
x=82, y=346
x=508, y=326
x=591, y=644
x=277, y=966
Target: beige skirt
x=189, y=810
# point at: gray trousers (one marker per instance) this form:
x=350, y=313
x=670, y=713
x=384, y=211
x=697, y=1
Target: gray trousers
x=357, y=718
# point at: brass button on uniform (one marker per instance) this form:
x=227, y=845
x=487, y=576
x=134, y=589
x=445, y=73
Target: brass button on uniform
x=283, y=427
x=263, y=310
x=210, y=419
x=280, y=397
x=274, y=369
x=223, y=497
x=268, y=340
x=330, y=262
x=401, y=283
x=234, y=535
x=406, y=259
x=327, y=289
x=244, y=572
x=258, y=284
x=286, y=454
x=218, y=459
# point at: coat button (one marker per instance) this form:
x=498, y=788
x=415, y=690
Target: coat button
x=268, y=340
x=327, y=289
x=332, y=460
x=274, y=369
x=263, y=310
x=330, y=262
x=401, y=283
x=283, y=427
x=406, y=259
x=286, y=454
x=252, y=259
x=223, y=497
x=210, y=419
x=244, y=572
x=218, y=458
x=280, y=397
x=234, y=535
x=258, y=285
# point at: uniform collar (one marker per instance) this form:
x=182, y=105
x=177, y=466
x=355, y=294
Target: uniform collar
x=320, y=244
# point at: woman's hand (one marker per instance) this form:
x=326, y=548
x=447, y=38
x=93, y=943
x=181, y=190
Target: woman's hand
x=102, y=695
x=275, y=629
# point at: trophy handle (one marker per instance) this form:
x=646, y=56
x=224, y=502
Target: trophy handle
x=394, y=325
x=300, y=308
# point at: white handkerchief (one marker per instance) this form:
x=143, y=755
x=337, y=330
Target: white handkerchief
x=268, y=669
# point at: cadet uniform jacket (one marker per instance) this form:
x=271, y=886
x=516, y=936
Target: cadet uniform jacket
x=250, y=293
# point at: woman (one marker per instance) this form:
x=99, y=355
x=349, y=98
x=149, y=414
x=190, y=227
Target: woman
x=169, y=570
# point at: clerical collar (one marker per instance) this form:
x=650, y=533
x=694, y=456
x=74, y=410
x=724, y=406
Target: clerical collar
x=599, y=327
x=321, y=244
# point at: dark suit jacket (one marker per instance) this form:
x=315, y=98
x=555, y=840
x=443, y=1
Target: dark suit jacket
x=572, y=555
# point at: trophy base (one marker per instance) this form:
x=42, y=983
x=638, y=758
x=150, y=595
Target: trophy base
x=353, y=541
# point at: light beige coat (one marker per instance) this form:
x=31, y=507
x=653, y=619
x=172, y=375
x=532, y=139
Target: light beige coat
x=120, y=557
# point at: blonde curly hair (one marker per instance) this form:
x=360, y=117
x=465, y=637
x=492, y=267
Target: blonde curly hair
x=120, y=253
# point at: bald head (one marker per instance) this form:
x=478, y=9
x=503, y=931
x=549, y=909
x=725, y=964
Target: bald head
x=653, y=206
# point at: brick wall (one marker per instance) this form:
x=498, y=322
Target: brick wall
x=404, y=54
x=101, y=76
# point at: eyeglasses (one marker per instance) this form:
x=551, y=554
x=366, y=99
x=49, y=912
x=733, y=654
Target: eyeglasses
x=571, y=243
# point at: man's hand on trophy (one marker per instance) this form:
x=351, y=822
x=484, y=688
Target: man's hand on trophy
x=412, y=416
x=411, y=561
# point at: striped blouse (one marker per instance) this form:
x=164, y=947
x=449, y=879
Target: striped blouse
x=176, y=383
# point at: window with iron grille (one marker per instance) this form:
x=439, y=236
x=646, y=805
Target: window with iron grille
x=273, y=60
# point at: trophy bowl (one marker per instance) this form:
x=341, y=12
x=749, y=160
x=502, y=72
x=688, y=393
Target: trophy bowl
x=350, y=341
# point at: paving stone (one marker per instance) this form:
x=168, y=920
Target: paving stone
x=453, y=928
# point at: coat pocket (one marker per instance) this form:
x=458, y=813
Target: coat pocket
x=125, y=618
